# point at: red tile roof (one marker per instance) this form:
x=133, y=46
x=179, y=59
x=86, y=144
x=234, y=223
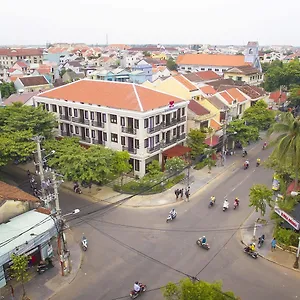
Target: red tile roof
x=21, y=63
x=33, y=80
x=117, y=95
x=190, y=86
x=278, y=96
x=220, y=60
x=214, y=124
x=227, y=97
x=212, y=141
x=197, y=108
x=208, y=90
x=208, y=75
x=21, y=52
x=236, y=94
x=10, y=192
x=23, y=98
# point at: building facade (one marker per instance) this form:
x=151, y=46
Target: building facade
x=120, y=116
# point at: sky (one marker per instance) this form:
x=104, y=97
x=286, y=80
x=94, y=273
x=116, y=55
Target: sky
x=36, y=22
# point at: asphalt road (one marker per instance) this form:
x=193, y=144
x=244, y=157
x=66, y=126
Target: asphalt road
x=129, y=244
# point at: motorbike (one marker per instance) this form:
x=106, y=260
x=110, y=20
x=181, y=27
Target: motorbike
x=264, y=147
x=251, y=253
x=257, y=164
x=225, y=206
x=77, y=189
x=261, y=241
x=171, y=217
x=235, y=204
x=212, y=202
x=44, y=266
x=204, y=246
x=244, y=153
x=84, y=243
x=133, y=294
x=246, y=166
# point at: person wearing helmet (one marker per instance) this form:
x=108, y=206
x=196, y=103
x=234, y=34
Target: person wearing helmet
x=136, y=287
x=236, y=201
x=252, y=247
x=203, y=240
x=258, y=162
x=173, y=213
x=212, y=199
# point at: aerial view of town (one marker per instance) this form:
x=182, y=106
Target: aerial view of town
x=149, y=150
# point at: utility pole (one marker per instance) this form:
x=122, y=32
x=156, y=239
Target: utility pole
x=296, y=263
x=224, y=136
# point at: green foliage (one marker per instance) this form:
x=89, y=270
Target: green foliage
x=244, y=133
x=6, y=89
x=199, y=290
x=288, y=204
x=286, y=236
x=260, y=195
x=95, y=164
x=294, y=96
x=154, y=168
x=175, y=164
x=279, y=74
x=195, y=141
x=146, y=53
x=171, y=64
x=201, y=164
x=18, y=124
x=287, y=149
x=62, y=72
x=259, y=115
x=19, y=269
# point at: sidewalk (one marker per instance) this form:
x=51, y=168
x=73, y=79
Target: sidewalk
x=279, y=257
x=46, y=285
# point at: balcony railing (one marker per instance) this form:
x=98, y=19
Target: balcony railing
x=64, y=117
x=80, y=120
x=181, y=137
x=96, y=123
x=168, y=124
x=154, y=129
x=129, y=130
x=64, y=133
x=86, y=139
x=168, y=142
x=153, y=149
x=182, y=119
x=97, y=142
x=129, y=149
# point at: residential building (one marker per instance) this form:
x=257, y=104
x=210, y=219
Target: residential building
x=218, y=63
x=271, y=56
x=14, y=201
x=75, y=66
x=21, y=66
x=70, y=76
x=129, y=59
x=24, y=98
x=160, y=72
x=145, y=67
x=247, y=74
x=31, y=84
x=9, y=56
x=277, y=98
x=34, y=242
x=120, y=116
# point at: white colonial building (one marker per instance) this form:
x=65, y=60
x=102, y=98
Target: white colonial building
x=120, y=116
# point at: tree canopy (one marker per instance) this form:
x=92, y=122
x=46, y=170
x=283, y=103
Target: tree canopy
x=6, y=89
x=195, y=141
x=259, y=115
x=199, y=290
x=93, y=164
x=175, y=165
x=260, y=196
x=18, y=124
x=294, y=96
x=242, y=132
x=171, y=64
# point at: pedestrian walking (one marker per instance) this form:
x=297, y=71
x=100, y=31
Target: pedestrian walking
x=181, y=194
x=90, y=186
x=187, y=194
x=177, y=193
x=28, y=173
x=273, y=244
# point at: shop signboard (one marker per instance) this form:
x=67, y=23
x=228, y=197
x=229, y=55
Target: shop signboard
x=287, y=218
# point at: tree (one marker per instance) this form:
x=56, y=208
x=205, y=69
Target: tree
x=242, y=132
x=18, y=124
x=146, y=53
x=195, y=141
x=171, y=64
x=175, y=164
x=6, y=89
x=120, y=163
x=19, y=269
x=294, y=96
x=259, y=115
x=199, y=290
x=260, y=195
x=154, y=168
x=62, y=72
x=287, y=148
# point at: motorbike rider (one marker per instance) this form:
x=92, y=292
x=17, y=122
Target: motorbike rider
x=226, y=203
x=265, y=145
x=173, y=213
x=261, y=239
x=252, y=247
x=245, y=153
x=236, y=201
x=84, y=242
x=76, y=186
x=203, y=240
x=246, y=164
x=136, y=287
x=258, y=161
x=212, y=200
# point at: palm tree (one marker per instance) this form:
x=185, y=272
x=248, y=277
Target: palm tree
x=288, y=142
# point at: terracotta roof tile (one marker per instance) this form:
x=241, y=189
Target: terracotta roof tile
x=212, y=141
x=236, y=94
x=208, y=90
x=215, y=101
x=21, y=51
x=9, y=192
x=183, y=80
x=246, y=70
x=227, y=97
x=193, y=77
x=215, y=125
x=275, y=96
x=21, y=63
x=208, y=75
x=33, y=80
x=23, y=98
x=117, y=95
x=197, y=108
x=221, y=60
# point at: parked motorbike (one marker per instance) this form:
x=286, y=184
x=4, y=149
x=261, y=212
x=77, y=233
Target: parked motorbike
x=171, y=217
x=44, y=266
x=133, y=294
x=77, y=189
x=204, y=246
x=84, y=243
x=261, y=240
x=251, y=253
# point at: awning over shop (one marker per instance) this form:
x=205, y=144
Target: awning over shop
x=176, y=151
x=212, y=141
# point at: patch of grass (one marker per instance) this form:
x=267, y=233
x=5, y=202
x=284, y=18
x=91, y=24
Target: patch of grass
x=201, y=164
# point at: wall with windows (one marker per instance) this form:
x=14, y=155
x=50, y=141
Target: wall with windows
x=197, y=68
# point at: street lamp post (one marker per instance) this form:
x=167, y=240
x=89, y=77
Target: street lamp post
x=224, y=135
x=296, y=263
